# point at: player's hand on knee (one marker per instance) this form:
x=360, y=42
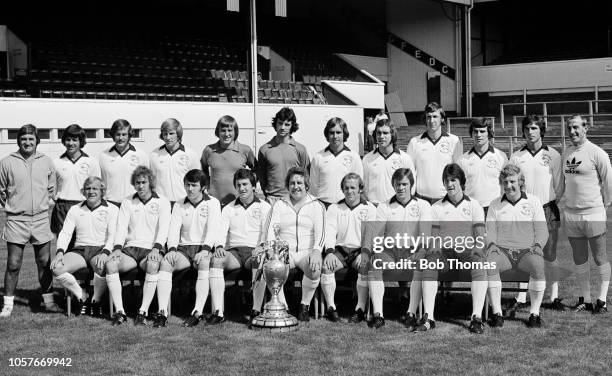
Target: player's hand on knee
x=330, y=262
x=419, y=254
x=492, y=248
x=115, y=255
x=478, y=253
x=219, y=252
x=155, y=255
x=99, y=261
x=58, y=261
x=315, y=261
x=536, y=250
x=201, y=256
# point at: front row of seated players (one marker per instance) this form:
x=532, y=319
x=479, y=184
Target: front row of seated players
x=516, y=229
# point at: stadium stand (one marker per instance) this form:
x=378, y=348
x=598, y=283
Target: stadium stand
x=202, y=71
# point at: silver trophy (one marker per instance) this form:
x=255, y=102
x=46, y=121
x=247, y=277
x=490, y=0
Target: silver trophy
x=274, y=265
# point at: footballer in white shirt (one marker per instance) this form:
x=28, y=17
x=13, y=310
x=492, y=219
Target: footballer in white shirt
x=380, y=164
x=142, y=229
x=118, y=162
x=401, y=216
x=241, y=222
x=171, y=161
x=431, y=152
x=344, y=222
x=516, y=233
x=192, y=235
x=541, y=165
x=72, y=168
x=588, y=194
x=458, y=229
x=93, y=222
x=331, y=164
x=482, y=164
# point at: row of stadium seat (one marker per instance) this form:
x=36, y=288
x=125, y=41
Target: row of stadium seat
x=221, y=97
x=112, y=95
x=13, y=93
x=161, y=67
x=141, y=67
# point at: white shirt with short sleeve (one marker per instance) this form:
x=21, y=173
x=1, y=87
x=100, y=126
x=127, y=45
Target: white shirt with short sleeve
x=117, y=171
x=143, y=224
x=93, y=227
x=72, y=174
x=457, y=219
x=517, y=225
x=195, y=224
x=241, y=225
x=327, y=170
x=392, y=219
x=542, y=171
x=430, y=157
x=482, y=174
x=378, y=170
x=170, y=169
x=343, y=224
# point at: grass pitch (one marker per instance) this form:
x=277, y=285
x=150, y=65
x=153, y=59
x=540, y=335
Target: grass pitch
x=569, y=343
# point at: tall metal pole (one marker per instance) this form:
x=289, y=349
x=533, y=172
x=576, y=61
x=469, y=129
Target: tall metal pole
x=468, y=58
x=253, y=65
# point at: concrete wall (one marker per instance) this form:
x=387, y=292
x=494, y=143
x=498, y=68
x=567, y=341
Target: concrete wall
x=376, y=66
x=364, y=94
x=551, y=76
x=423, y=24
x=280, y=68
x=198, y=120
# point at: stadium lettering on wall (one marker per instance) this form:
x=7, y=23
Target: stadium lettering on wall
x=421, y=55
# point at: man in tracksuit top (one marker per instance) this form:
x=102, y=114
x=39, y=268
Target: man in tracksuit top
x=27, y=182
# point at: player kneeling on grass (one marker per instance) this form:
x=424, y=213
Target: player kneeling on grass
x=457, y=217
x=516, y=232
x=402, y=216
x=94, y=222
x=241, y=222
x=142, y=229
x=343, y=234
x=192, y=235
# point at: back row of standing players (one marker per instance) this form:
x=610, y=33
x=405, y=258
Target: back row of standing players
x=426, y=157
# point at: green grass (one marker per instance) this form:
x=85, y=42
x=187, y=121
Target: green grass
x=568, y=344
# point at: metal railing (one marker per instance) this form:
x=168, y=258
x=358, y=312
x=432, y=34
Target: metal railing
x=562, y=117
x=593, y=106
x=518, y=141
x=463, y=118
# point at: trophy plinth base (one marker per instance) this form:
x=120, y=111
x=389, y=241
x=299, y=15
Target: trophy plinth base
x=275, y=319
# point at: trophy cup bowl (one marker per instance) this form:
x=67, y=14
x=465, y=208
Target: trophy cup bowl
x=275, y=317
